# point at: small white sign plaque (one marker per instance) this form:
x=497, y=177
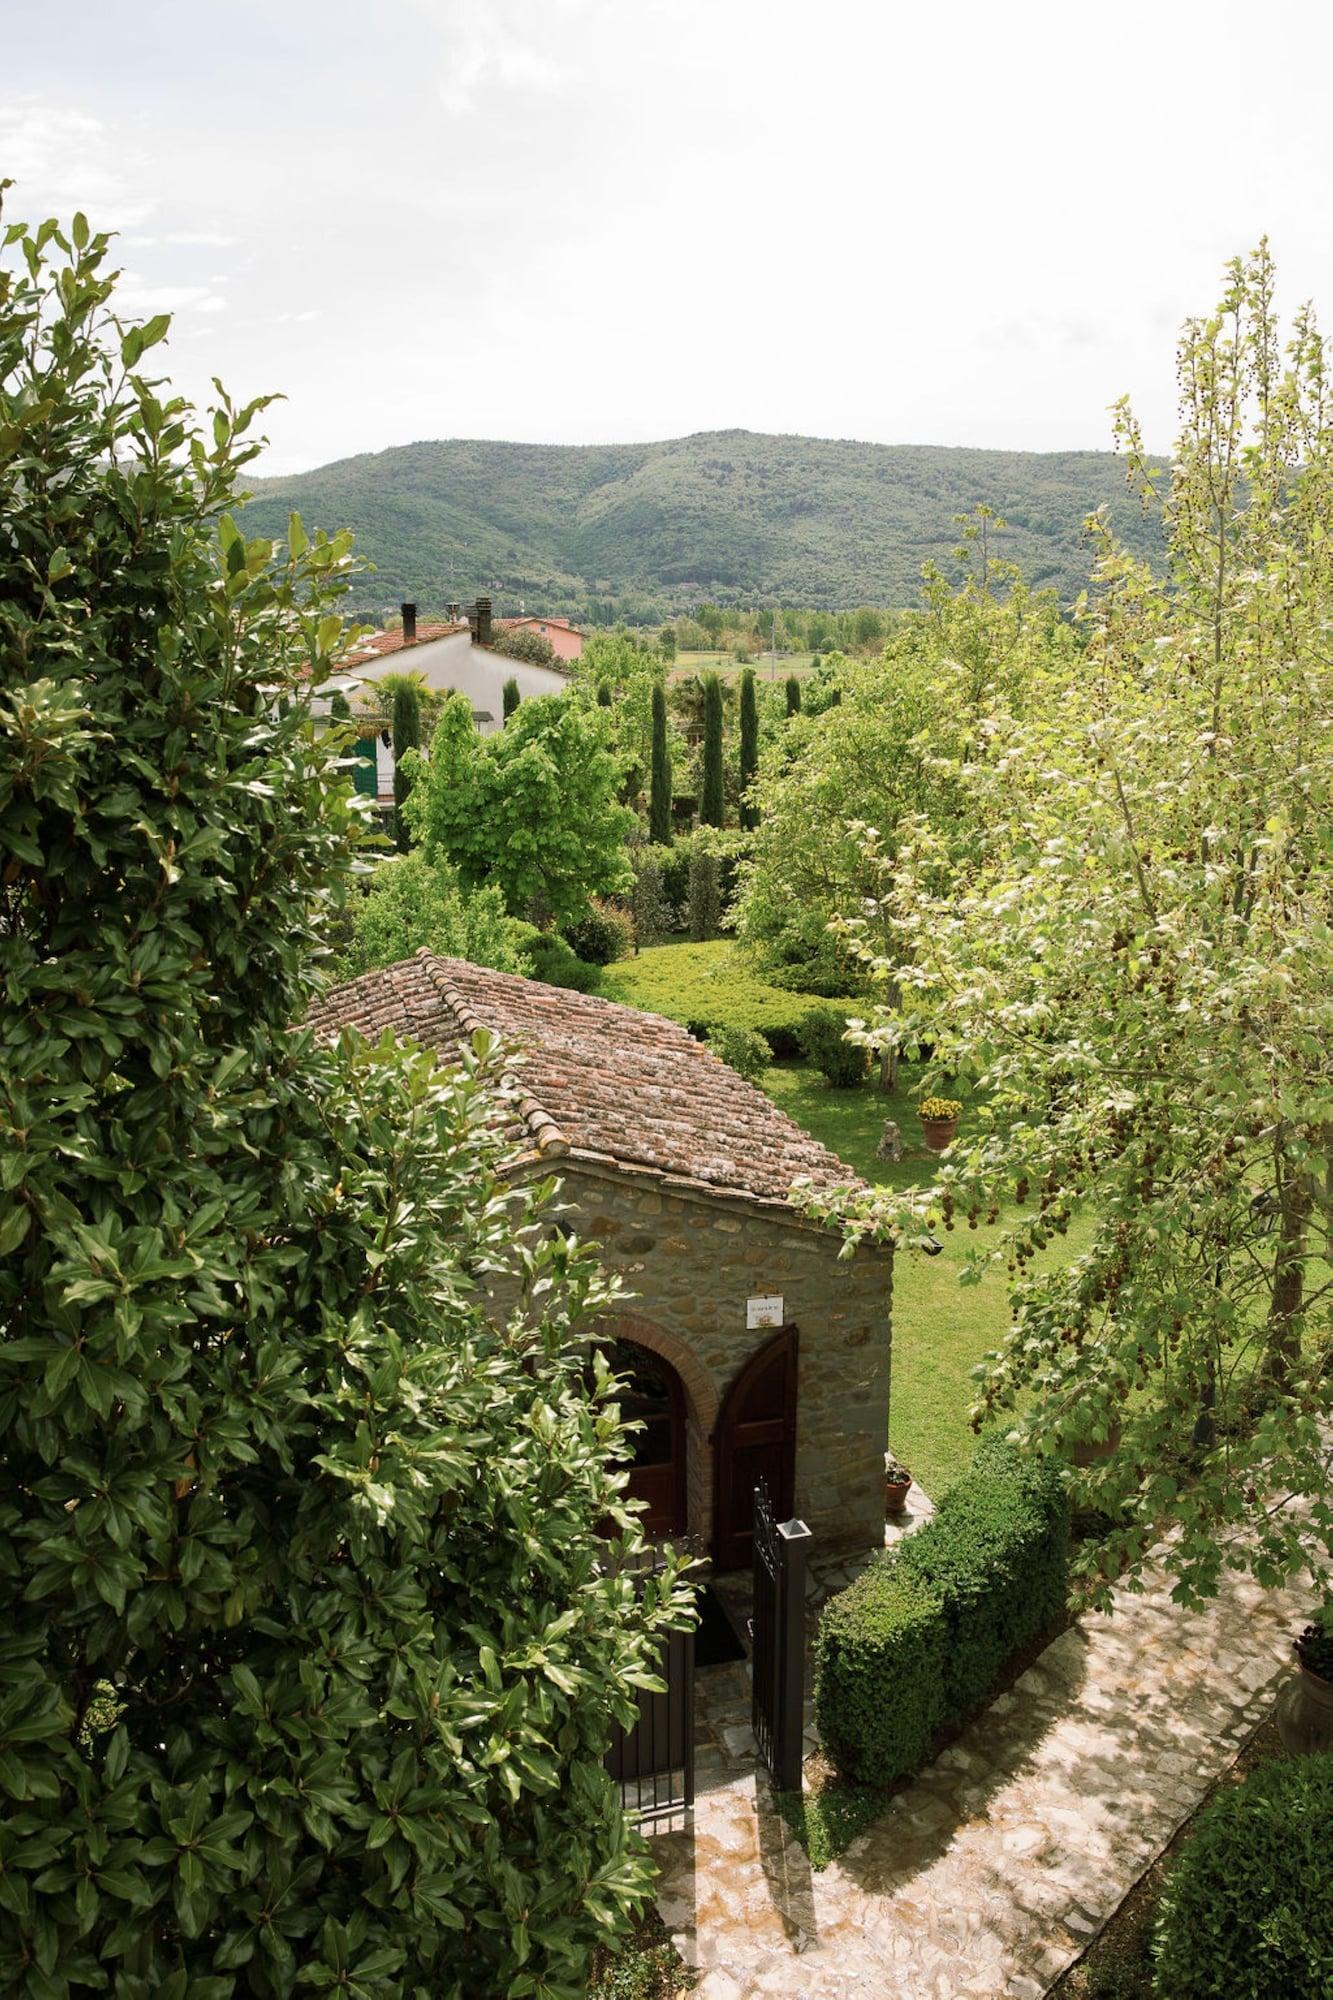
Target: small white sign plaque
x=762, y=1312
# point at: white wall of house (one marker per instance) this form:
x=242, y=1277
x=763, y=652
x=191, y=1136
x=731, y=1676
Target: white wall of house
x=454, y=662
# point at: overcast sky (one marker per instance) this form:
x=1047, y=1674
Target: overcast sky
x=582, y=221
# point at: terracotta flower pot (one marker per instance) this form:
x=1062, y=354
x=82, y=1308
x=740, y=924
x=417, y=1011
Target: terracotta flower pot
x=897, y=1486
x=1305, y=1714
x=939, y=1132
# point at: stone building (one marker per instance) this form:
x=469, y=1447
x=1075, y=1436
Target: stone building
x=752, y=1348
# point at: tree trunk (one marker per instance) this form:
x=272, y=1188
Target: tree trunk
x=1283, y=1339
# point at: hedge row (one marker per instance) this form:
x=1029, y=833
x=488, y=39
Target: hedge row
x=711, y=987
x=921, y=1637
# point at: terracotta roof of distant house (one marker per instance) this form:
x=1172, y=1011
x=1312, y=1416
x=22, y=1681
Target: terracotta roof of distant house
x=595, y=1080
x=378, y=645
x=539, y=618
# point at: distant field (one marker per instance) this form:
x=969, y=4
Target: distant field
x=728, y=667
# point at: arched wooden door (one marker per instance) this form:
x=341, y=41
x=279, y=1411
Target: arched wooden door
x=654, y=1398
x=755, y=1439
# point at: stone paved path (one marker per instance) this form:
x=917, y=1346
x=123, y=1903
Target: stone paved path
x=989, y=1875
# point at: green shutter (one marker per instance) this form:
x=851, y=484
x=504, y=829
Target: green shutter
x=367, y=781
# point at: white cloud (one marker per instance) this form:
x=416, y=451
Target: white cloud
x=494, y=46
x=62, y=159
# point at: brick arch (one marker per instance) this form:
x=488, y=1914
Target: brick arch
x=698, y=1383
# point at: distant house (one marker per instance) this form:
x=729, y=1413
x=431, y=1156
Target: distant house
x=566, y=639
x=455, y=654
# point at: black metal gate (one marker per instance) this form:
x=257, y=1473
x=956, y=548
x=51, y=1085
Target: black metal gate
x=653, y=1760
x=778, y=1632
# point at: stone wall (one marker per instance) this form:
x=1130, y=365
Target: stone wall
x=692, y=1261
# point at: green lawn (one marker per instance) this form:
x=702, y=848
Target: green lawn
x=941, y=1329
x=728, y=666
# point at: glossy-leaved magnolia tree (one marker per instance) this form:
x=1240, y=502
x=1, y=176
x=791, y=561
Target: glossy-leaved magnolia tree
x=309, y=1644
x=1129, y=979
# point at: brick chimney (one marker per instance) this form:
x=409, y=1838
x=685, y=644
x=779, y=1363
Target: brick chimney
x=479, y=618
x=409, y=612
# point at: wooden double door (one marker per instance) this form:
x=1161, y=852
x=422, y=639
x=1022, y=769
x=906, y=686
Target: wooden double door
x=755, y=1439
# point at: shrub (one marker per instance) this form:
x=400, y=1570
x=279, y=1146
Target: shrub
x=308, y=1641
x=603, y=935
x=555, y=963
x=824, y=1042
x=705, y=895
x=742, y=1049
x=996, y=1555
x=655, y=915
x=1248, y=1908
x=522, y=644
x=919, y=1640
x=675, y=862
x=879, y=1673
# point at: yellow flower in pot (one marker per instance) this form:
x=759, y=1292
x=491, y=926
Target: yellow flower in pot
x=939, y=1121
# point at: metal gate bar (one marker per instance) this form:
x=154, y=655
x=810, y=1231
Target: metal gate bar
x=778, y=1701
x=652, y=1760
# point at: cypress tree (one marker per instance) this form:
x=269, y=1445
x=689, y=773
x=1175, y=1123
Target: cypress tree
x=749, y=747
x=659, y=784
x=510, y=697
x=711, y=810
x=793, y=695
x=604, y=694
x=406, y=736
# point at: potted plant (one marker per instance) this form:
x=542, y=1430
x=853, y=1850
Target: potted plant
x=897, y=1481
x=939, y=1121
x=1305, y=1710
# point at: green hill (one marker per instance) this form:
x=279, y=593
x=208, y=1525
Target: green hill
x=735, y=516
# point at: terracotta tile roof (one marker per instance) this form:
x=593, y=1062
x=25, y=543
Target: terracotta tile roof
x=536, y=618
x=596, y=1080
x=378, y=645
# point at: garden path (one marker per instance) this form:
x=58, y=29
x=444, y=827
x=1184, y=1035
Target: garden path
x=990, y=1874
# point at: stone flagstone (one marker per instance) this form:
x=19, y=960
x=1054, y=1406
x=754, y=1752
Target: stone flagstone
x=989, y=1875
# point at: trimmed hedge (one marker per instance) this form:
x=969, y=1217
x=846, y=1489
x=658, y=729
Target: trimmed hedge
x=707, y=987
x=1248, y=1909
x=921, y=1637
x=879, y=1672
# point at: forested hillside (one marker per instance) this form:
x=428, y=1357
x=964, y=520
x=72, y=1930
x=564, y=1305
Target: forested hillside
x=731, y=515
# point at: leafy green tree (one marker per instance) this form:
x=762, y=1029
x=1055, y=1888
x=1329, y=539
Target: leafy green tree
x=405, y=690
x=521, y=643
x=749, y=749
x=532, y=809
x=712, y=811
x=666, y=643
x=659, y=797
x=793, y=694
x=413, y=902
x=509, y=697
x=308, y=1640
x=1131, y=975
